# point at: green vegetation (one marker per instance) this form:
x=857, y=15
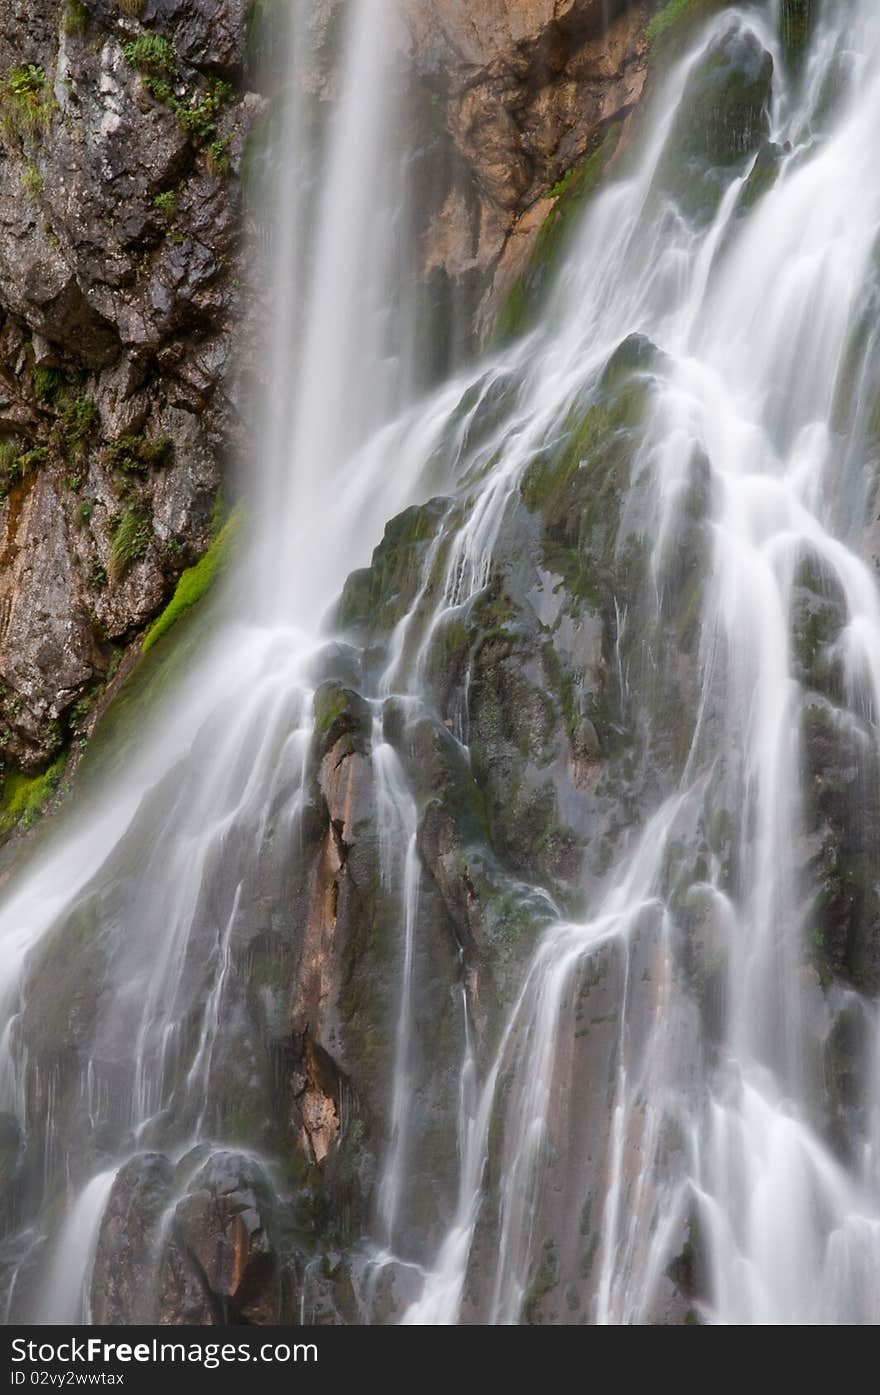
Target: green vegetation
x=197, y=112
x=558, y=189
x=572, y=194
x=76, y=18
x=150, y=53
x=25, y=105
x=136, y=454
x=194, y=583
x=78, y=421
x=83, y=512
x=199, y=118
x=670, y=24
x=15, y=464
x=130, y=7
x=217, y=157
x=131, y=538
x=32, y=180
x=25, y=796
x=166, y=203
x=48, y=382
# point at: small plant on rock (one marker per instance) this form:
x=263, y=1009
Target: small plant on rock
x=76, y=18
x=217, y=157
x=150, y=53
x=32, y=180
x=131, y=538
x=25, y=105
x=135, y=454
x=48, y=382
x=166, y=203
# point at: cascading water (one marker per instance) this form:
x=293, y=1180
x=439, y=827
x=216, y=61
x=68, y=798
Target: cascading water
x=165, y=922
x=639, y=1103
x=754, y=319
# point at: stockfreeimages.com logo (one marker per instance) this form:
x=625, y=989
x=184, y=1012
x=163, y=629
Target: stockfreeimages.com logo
x=209, y=1355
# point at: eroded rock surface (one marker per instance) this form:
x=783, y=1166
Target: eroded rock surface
x=524, y=87
x=119, y=262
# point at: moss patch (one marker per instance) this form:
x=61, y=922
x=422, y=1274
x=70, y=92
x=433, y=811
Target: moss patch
x=673, y=22
x=194, y=583
x=26, y=796
x=572, y=193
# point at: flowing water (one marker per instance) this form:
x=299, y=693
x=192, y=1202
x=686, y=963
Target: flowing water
x=695, y=1122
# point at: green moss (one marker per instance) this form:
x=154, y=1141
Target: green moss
x=516, y=312
x=721, y=123
x=136, y=454
x=578, y=487
x=48, y=382
x=32, y=180
x=26, y=462
x=194, y=583
x=131, y=538
x=375, y=598
x=572, y=193
x=76, y=18
x=78, y=422
x=763, y=176
x=217, y=158
x=558, y=189
x=670, y=26
x=544, y=1279
x=25, y=796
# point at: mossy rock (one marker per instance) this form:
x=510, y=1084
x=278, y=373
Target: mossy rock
x=574, y=193
x=340, y=712
x=578, y=488
x=671, y=28
x=763, y=176
x=376, y=597
x=723, y=119
x=818, y=616
x=842, y=790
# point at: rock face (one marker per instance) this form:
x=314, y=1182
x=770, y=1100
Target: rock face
x=525, y=87
x=123, y=129
x=119, y=218
x=202, y=1229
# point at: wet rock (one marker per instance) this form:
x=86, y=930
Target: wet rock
x=376, y=597
x=524, y=87
x=124, y=1282
x=340, y=713
x=723, y=119
x=843, y=818
x=12, y=1157
x=223, y=1228
x=796, y=21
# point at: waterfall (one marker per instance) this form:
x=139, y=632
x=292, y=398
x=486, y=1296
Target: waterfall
x=638, y=1124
